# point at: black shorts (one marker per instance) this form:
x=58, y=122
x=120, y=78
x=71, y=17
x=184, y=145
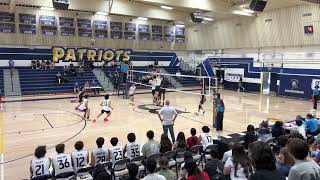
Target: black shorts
x=158, y=88
x=131, y=95
x=153, y=92
x=103, y=111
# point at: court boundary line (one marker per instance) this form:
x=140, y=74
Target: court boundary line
x=48, y=121
x=51, y=147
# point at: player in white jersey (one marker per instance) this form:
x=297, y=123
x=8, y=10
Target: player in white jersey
x=40, y=164
x=106, y=108
x=152, y=82
x=158, y=88
x=132, y=149
x=131, y=94
x=80, y=157
x=100, y=154
x=62, y=162
x=116, y=152
x=206, y=137
x=83, y=107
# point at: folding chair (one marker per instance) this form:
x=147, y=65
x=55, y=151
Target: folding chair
x=139, y=161
x=43, y=177
x=196, y=153
x=120, y=168
x=206, y=153
x=171, y=157
x=65, y=176
x=155, y=156
x=84, y=173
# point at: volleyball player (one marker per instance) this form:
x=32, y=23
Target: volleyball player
x=131, y=94
x=40, y=164
x=152, y=82
x=100, y=154
x=158, y=82
x=206, y=137
x=106, y=108
x=132, y=149
x=200, y=107
x=80, y=157
x=83, y=107
x=62, y=162
x=116, y=152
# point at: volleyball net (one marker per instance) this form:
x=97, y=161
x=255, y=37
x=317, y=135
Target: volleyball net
x=177, y=82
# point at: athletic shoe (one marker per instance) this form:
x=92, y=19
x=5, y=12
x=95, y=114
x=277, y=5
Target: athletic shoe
x=196, y=113
x=105, y=119
x=94, y=121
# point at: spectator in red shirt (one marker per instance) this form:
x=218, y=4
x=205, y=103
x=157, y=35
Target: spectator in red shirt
x=194, y=173
x=193, y=140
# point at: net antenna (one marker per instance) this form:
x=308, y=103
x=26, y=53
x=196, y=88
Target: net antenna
x=205, y=82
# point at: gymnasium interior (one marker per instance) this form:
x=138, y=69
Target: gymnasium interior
x=237, y=80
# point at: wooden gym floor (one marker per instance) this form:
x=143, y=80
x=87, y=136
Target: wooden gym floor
x=25, y=125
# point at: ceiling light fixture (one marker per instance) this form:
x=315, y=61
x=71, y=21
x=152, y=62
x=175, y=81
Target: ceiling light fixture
x=47, y=8
x=248, y=10
x=166, y=7
x=143, y=18
x=208, y=18
x=242, y=13
x=102, y=13
x=180, y=25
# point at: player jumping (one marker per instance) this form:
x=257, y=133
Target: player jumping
x=106, y=108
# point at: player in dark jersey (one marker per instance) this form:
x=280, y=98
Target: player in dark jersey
x=200, y=107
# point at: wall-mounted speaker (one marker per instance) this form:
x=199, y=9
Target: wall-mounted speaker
x=258, y=5
x=61, y=4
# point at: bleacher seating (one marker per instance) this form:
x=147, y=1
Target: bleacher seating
x=44, y=81
x=1, y=83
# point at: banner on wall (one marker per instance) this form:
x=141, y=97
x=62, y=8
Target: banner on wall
x=315, y=82
x=297, y=86
x=90, y=54
x=233, y=74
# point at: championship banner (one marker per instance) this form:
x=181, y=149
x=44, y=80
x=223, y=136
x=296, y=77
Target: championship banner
x=233, y=74
x=315, y=82
x=89, y=54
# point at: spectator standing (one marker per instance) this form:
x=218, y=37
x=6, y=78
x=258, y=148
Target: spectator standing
x=11, y=64
x=152, y=146
x=193, y=140
x=220, y=114
x=165, y=144
x=303, y=168
x=167, y=116
x=264, y=161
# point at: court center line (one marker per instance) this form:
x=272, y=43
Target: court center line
x=47, y=120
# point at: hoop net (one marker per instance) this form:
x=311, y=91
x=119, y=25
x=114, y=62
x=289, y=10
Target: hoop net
x=170, y=82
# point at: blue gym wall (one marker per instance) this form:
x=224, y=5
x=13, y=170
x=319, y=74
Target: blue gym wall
x=285, y=76
x=22, y=56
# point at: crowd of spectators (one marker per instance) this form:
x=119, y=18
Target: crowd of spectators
x=43, y=64
x=285, y=154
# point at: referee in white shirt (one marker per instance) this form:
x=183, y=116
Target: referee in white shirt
x=168, y=115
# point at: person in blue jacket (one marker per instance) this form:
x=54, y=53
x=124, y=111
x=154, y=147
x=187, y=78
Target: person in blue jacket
x=315, y=96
